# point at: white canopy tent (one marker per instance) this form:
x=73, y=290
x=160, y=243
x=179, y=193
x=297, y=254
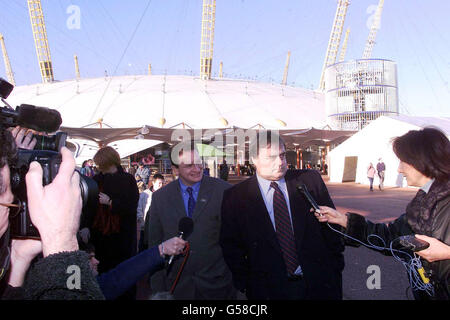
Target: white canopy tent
x=135, y=101
x=374, y=142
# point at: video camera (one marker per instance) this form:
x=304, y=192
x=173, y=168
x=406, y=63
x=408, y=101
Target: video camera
x=46, y=152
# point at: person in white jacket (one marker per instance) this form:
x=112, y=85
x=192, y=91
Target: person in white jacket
x=145, y=199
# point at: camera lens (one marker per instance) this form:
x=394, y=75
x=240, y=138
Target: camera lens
x=89, y=191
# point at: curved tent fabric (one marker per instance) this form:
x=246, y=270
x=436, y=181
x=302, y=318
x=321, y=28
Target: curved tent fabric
x=133, y=101
x=86, y=149
x=298, y=138
x=102, y=136
x=126, y=103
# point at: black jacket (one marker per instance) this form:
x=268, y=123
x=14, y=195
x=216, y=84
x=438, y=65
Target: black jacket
x=252, y=251
x=439, y=271
x=117, y=247
x=48, y=279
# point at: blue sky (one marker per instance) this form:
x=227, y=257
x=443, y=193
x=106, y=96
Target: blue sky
x=252, y=38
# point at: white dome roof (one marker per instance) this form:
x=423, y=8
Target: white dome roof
x=133, y=101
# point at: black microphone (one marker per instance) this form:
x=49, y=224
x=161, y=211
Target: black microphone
x=28, y=116
x=5, y=88
x=38, y=118
x=304, y=190
x=185, y=228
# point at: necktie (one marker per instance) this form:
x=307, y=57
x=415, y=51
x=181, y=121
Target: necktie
x=284, y=231
x=191, y=202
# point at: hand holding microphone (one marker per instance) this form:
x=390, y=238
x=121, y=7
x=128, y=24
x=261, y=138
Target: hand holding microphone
x=172, y=247
x=185, y=228
x=323, y=213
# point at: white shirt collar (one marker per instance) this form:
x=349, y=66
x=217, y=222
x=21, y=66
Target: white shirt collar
x=426, y=187
x=265, y=184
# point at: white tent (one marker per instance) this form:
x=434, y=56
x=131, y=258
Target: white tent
x=135, y=101
x=374, y=142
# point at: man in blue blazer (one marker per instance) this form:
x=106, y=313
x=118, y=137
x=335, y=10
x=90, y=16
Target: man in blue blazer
x=272, y=243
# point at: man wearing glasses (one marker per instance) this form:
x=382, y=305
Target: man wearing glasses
x=205, y=276
x=55, y=211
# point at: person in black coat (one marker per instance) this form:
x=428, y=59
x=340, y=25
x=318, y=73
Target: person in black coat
x=425, y=162
x=113, y=226
x=274, y=253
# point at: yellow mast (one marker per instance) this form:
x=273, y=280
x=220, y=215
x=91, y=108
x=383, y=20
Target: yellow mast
x=40, y=40
x=344, y=46
x=335, y=39
x=207, y=40
x=373, y=31
x=77, y=67
x=149, y=69
x=8, y=68
x=221, y=70
x=286, y=68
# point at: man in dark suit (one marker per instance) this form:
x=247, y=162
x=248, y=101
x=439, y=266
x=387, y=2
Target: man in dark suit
x=205, y=275
x=271, y=241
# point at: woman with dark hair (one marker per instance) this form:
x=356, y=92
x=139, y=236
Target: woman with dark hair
x=113, y=227
x=425, y=162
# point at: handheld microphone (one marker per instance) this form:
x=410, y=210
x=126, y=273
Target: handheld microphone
x=28, y=116
x=304, y=190
x=38, y=118
x=185, y=228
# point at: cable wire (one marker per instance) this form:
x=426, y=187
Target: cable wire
x=412, y=265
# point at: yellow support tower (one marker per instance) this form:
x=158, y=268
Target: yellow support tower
x=344, y=46
x=40, y=40
x=335, y=39
x=373, y=31
x=77, y=67
x=207, y=41
x=149, y=69
x=286, y=68
x=8, y=69
x=221, y=70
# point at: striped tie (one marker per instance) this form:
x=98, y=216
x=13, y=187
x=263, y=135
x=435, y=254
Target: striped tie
x=283, y=228
x=191, y=202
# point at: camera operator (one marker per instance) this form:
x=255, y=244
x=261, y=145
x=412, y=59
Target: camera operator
x=55, y=211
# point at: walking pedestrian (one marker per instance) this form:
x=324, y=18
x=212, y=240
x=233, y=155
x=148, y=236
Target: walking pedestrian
x=371, y=174
x=381, y=168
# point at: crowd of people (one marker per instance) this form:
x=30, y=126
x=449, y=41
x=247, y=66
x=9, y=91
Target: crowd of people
x=254, y=240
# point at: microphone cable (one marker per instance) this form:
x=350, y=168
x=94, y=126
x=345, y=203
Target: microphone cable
x=185, y=252
x=413, y=265
x=416, y=273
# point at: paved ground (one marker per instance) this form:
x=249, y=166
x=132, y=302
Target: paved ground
x=378, y=206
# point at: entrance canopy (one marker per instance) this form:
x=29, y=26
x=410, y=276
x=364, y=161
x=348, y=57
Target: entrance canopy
x=294, y=139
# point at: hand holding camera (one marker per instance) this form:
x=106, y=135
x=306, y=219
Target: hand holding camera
x=24, y=138
x=43, y=149
x=55, y=208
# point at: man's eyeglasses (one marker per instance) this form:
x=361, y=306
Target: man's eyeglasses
x=14, y=207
